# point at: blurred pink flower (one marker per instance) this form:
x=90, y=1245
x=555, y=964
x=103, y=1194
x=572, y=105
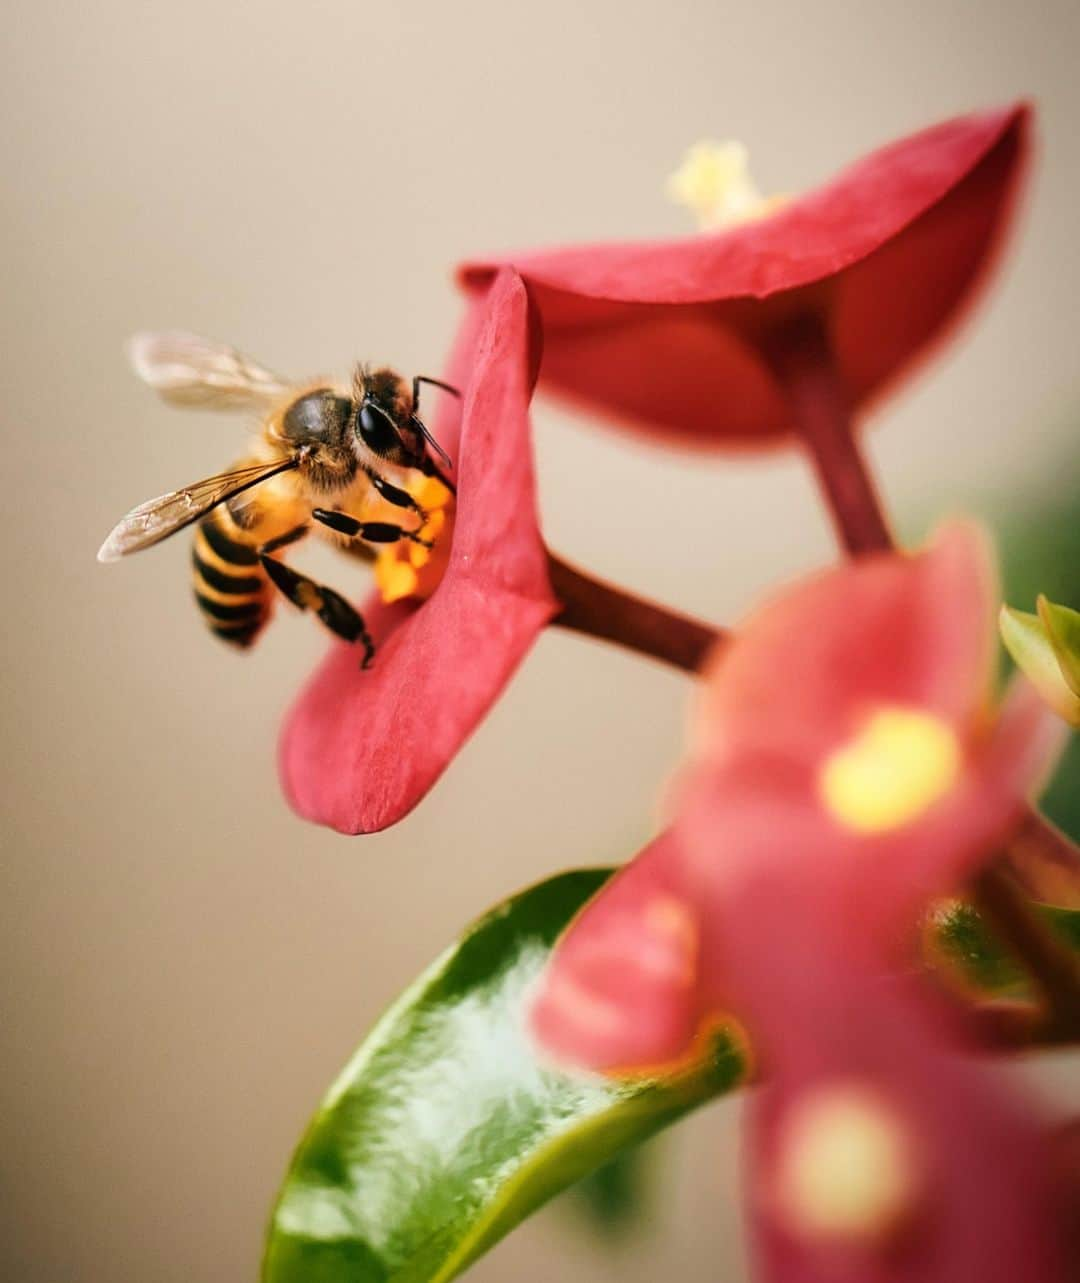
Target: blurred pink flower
x=848, y=759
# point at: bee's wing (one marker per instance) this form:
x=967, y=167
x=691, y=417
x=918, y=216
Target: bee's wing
x=159, y=518
x=188, y=370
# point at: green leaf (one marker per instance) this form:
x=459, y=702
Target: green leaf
x=616, y=1197
x=970, y=950
x=1063, y=629
x=962, y=941
x=1040, y=546
x=445, y=1129
x=1028, y=641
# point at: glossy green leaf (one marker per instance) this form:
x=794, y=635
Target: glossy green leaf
x=445, y=1130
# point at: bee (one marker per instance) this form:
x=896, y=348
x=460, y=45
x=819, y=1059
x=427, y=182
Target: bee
x=320, y=460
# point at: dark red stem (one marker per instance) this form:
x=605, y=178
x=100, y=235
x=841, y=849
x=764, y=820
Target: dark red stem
x=595, y=608
x=801, y=360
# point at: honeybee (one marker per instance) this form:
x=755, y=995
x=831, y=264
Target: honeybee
x=322, y=454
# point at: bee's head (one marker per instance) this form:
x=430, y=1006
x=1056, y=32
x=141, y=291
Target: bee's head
x=386, y=420
x=381, y=430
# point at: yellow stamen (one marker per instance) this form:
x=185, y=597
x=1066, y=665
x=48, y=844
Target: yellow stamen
x=408, y=568
x=899, y=764
x=845, y=1168
x=431, y=530
x=714, y=183
x=430, y=493
x=394, y=579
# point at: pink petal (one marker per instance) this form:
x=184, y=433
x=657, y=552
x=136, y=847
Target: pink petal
x=360, y=749
x=621, y=989
x=803, y=670
x=985, y=1202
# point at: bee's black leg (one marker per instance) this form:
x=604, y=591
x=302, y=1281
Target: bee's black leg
x=331, y=607
x=431, y=469
x=393, y=494
x=369, y=531
x=290, y=536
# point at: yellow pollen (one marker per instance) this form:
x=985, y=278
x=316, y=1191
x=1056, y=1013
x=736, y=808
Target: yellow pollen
x=407, y=568
x=394, y=579
x=430, y=493
x=898, y=765
x=714, y=183
x=845, y=1168
x=431, y=530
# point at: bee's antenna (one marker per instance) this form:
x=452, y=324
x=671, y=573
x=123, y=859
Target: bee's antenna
x=419, y=426
x=416, y=421
x=435, y=383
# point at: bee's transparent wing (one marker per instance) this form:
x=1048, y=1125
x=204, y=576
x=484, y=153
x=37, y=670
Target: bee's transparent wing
x=188, y=370
x=159, y=518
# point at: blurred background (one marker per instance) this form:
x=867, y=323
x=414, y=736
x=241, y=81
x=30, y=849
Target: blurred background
x=185, y=964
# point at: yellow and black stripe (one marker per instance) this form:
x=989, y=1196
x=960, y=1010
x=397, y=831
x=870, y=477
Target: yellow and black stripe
x=233, y=591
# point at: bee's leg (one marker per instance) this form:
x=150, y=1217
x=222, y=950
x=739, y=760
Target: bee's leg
x=369, y=531
x=290, y=536
x=392, y=494
x=334, y=611
x=431, y=469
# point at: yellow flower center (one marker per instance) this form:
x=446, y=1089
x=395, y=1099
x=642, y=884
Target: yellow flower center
x=899, y=764
x=714, y=183
x=409, y=569
x=845, y=1168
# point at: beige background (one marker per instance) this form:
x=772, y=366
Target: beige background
x=185, y=964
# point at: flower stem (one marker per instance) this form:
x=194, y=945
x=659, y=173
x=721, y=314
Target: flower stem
x=598, y=609
x=802, y=363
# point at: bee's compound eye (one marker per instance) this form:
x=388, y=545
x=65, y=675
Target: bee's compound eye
x=377, y=430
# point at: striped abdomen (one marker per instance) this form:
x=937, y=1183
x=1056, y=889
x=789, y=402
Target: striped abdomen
x=233, y=591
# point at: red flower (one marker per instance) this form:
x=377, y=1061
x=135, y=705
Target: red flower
x=680, y=337
x=360, y=749
x=848, y=762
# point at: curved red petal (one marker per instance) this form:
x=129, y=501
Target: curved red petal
x=360, y=749
x=664, y=334
x=621, y=990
